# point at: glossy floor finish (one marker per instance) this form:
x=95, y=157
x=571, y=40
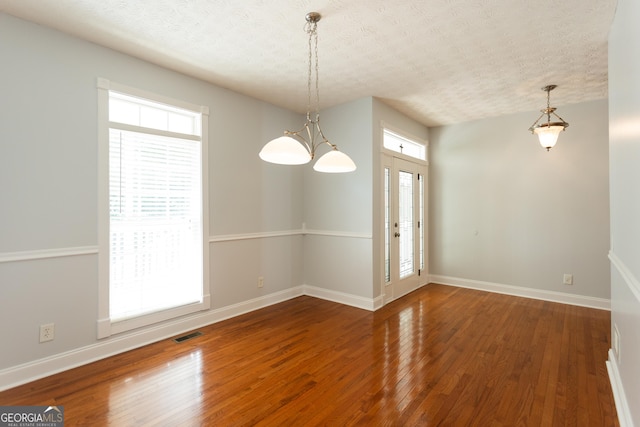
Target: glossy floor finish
x=439, y=356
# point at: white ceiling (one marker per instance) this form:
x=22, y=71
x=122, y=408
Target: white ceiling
x=438, y=61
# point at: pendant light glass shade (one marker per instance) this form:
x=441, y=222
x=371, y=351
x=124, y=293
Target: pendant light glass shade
x=548, y=135
x=285, y=150
x=334, y=162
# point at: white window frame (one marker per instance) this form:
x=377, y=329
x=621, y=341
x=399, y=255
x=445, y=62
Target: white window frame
x=411, y=138
x=105, y=326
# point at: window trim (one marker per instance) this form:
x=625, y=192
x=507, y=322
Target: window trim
x=105, y=327
x=385, y=126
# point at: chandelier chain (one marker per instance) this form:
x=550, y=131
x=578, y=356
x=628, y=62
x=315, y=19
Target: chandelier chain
x=312, y=30
x=315, y=38
x=309, y=29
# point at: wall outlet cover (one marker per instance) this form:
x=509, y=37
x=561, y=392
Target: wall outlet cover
x=47, y=332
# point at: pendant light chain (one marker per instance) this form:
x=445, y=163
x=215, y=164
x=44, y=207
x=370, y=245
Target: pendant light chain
x=309, y=31
x=548, y=104
x=315, y=38
x=312, y=30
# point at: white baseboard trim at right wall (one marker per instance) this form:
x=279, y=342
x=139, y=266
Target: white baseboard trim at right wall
x=624, y=414
x=564, y=298
x=343, y=298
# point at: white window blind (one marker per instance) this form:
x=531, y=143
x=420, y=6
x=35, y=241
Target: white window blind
x=155, y=207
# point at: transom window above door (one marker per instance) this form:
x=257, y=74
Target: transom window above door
x=400, y=144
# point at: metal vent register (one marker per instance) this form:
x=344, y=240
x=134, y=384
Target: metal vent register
x=187, y=337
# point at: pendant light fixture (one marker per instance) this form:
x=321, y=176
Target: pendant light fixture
x=299, y=147
x=548, y=132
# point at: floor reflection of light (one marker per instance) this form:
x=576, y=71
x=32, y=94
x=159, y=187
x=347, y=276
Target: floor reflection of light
x=405, y=331
x=161, y=392
x=399, y=355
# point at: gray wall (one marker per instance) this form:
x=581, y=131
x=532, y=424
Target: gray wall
x=337, y=207
x=624, y=116
x=48, y=187
x=505, y=211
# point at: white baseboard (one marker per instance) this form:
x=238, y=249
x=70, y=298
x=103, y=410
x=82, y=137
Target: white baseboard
x=21, y=374
x=622, y=408
x=31, y=371
x=343, y=298
x=37, y=369
x=572, y=299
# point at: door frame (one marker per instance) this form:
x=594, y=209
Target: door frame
x=391, y=160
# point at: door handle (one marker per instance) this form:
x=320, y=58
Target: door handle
x=397, y=234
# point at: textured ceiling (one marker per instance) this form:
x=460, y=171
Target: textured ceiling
x=438, y=61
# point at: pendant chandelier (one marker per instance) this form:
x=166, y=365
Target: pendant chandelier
x=300, y=147
x=548, y=132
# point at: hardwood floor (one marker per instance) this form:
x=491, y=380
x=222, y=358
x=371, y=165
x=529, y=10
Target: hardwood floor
x=440, y=356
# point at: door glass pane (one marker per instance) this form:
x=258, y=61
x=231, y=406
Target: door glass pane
x=421, y=219
x=387, y=227
x=405, y=214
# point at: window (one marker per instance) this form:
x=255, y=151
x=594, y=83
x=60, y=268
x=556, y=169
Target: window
x=395, y=142
x=153, y=249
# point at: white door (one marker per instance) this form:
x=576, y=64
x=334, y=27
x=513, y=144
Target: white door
x=404, y=188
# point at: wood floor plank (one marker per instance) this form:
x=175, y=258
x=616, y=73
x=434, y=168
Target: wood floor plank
x=438, y=356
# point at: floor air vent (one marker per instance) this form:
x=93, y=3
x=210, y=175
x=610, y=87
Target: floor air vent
x=187, y=337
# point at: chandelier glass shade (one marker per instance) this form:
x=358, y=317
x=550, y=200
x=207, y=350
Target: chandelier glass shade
x=299, y=147
x=334, y=161
x=548, y=132
x=285, y=151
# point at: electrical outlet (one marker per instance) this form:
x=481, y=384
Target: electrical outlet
x=47, y=332
x=567, y=279
x=260, y=281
